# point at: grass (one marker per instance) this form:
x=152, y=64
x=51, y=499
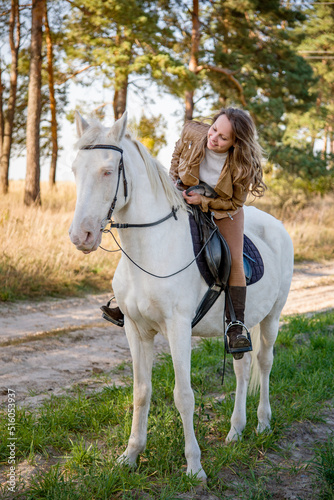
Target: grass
x=80, y=436
x=37, y=258
x=325, y=467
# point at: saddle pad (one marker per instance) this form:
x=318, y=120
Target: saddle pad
x=255, y=261
x=251, y=253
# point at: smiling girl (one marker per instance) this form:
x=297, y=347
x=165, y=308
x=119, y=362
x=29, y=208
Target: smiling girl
x=227, y=157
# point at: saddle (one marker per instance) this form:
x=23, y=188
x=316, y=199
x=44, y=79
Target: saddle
x=214, y=259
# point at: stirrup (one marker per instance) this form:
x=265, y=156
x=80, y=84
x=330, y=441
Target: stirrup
x=235, y=350
x=105, y=314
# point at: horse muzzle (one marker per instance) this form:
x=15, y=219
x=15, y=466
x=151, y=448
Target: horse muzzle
x=85, y=240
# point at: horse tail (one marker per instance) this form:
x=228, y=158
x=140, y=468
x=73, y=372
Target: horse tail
x=254, y=383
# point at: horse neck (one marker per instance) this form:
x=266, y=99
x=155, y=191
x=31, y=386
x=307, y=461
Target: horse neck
x=146, y=205
x=144, y=202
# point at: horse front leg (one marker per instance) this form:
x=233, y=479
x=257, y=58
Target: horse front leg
x=180, y=346
x=142, y=360
x=269, y=330
x=238, y=419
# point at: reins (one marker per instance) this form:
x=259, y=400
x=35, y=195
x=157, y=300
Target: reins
x=144, y=270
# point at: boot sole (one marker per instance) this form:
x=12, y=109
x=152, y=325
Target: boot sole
x=116, y=322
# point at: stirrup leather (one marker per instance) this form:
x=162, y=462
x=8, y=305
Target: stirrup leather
x=232, y=350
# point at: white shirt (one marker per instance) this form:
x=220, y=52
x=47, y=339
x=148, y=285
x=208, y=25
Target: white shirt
x=211, y=167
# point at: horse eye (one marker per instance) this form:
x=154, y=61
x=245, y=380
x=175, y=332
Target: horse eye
x=108, y=172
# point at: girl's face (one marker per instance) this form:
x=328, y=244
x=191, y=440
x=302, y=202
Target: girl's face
x=220, y=135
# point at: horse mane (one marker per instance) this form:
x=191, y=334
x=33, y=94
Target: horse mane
x=158, y=176
x=156, y=172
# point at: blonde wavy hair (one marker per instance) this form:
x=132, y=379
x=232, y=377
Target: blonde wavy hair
x=246, y=153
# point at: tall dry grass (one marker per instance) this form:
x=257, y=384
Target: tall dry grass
x=310, y=223
x=37, y=258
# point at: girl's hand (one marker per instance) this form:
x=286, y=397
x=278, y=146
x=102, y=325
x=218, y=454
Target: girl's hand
x=192, y=198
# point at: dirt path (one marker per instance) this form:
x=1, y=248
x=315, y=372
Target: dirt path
x=47, y=347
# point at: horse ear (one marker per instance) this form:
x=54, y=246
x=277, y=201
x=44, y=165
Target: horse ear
x=119, y=127
x=81, y=124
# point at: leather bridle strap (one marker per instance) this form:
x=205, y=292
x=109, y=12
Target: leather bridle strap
x=149, y=224
x=121, y=171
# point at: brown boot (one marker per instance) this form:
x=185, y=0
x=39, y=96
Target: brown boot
x=114, y=314
x=238, y=342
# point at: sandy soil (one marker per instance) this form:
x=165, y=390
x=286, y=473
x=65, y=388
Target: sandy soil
x=46, y=347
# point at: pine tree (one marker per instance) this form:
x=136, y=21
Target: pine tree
x=53, y=105
x=317, y=49
x=240, y=53
x=7, y=118
x=309, y=170
x=118, y=40
x=32, y=183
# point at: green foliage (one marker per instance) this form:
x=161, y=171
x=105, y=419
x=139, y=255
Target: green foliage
x=303, y=172
x=119, y=39
x=295, y=154
x=258, y=42
x=150, y=131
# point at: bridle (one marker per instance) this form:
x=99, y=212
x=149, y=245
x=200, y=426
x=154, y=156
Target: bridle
x=121, y=171
x=108, y=220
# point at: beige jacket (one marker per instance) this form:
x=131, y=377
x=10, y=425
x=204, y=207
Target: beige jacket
x=188, y=153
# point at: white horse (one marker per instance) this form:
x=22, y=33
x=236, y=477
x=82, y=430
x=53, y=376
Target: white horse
x=152, y=305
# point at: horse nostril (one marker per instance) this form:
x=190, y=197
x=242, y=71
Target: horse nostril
x=89, y=237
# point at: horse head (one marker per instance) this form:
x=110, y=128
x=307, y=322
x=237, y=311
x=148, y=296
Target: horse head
x=96, y=169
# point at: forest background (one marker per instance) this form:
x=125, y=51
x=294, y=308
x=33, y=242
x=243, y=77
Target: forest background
x=273, y=58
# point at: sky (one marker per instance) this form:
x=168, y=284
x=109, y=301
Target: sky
x=169, y=107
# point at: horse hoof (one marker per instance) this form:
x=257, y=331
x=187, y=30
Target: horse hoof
x=263, y=427
x=125, y=460
x=233, y=436
x=202, y=486
x=200, y=475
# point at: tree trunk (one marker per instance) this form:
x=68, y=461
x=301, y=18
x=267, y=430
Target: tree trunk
x=119, y=103
x=325, y=139
x=53, y=108
x=32, y=184
x=7, y=120
x=121, y=79
x=193, y=62
x=189, y=104
x=1, y=111
x=331, y=146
